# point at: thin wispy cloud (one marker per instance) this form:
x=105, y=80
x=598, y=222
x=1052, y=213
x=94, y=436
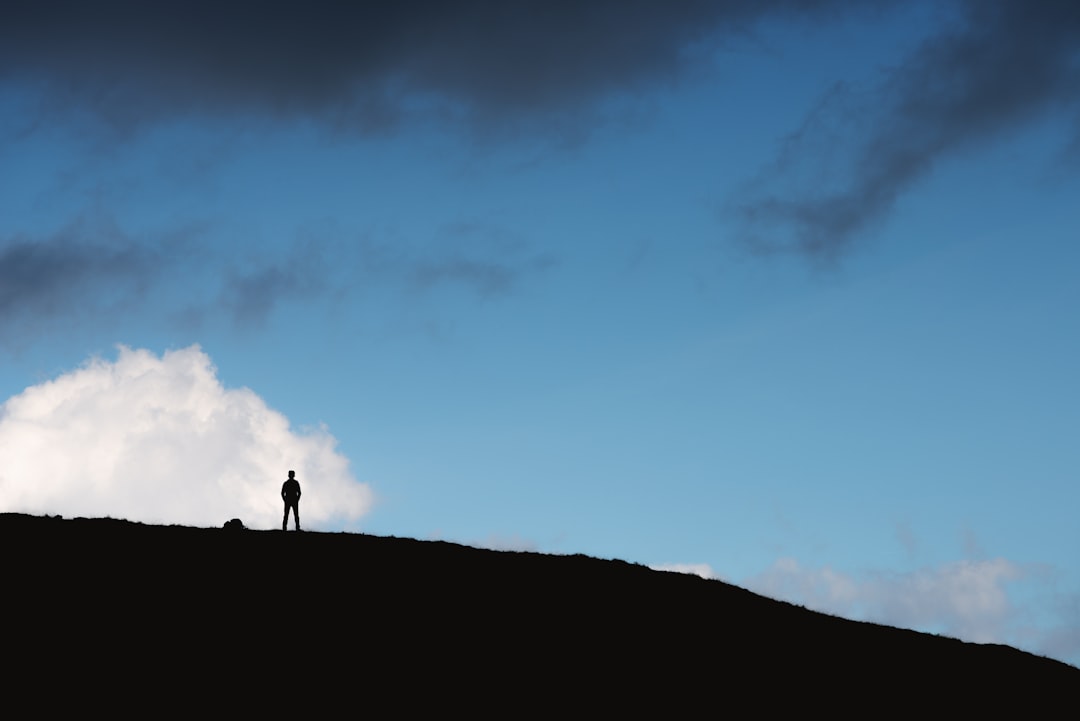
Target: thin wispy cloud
x=967, y=599
x=94, y=272
x=488, y=260
x=998, y=66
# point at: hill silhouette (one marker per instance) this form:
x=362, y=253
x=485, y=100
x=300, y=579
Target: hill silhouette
x=124, y=617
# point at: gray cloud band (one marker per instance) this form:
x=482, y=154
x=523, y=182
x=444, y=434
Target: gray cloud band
x=1001, y=66
x=134, y=62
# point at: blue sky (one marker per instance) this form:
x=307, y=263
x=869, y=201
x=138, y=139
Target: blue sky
x=780, y=293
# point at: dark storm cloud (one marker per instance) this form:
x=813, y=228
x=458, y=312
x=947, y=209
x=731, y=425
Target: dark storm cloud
x=1003, y=64
x=510, y=64
x=356, y=64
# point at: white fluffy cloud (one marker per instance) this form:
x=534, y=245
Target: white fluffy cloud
x=160, y=440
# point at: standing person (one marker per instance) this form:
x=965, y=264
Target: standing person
x=290, y=493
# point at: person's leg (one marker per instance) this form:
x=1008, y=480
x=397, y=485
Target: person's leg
x=285, y=518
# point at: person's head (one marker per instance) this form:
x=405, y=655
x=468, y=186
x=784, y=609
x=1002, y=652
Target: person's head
x=292, y=473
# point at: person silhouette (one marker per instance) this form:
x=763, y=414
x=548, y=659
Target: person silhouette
x=290, y=493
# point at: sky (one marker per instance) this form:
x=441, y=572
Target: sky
x=776, y=292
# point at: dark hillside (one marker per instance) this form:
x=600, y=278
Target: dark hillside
x=108, y=614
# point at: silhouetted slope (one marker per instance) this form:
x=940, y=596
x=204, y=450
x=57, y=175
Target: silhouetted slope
x=147, y=619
